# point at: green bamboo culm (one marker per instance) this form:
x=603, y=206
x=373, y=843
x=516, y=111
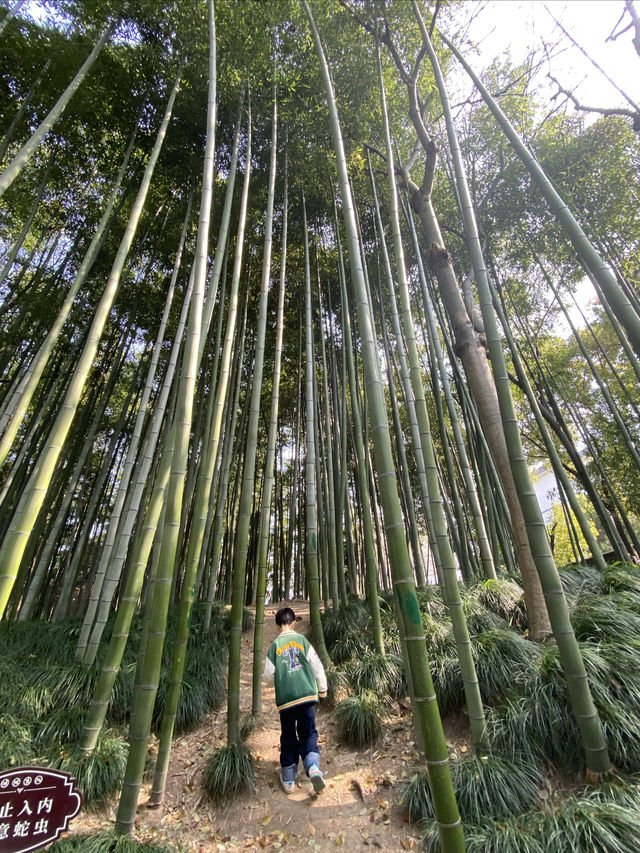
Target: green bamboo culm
x=188, y=582
x=311, y=508
x=35, y=491
x=11, y=420
x=447, y=560
x=265, y=515
x=586, y=251
x=17, y=164
x=426, y=712
x=241, y=549
x=593, y=737
x=129, y=600
x=150, y=659
x=368, y=545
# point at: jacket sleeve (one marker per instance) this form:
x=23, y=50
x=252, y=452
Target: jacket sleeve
x=269, y=667
x=318, y=671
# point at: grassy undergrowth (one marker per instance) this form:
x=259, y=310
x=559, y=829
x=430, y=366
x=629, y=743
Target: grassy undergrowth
x=504, y=797
x=45, y=693
x=107, y=842
x=602, y=821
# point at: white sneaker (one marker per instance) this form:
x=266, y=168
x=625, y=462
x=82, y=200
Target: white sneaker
x=317, y=779
x=288, y=786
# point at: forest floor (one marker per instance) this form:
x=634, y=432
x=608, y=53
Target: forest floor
x=359, y=809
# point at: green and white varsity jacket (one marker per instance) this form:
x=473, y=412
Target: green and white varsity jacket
x=296, y=669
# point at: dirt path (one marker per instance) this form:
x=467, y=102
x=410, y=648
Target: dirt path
x=358, y=810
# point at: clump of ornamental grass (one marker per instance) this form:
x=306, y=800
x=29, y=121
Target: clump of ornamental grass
x=69, y=682
x=581, y=823
x=430, y=602
x=248, y=620
x=122, y=693
x=100, y=773
x=380, y=673
x=16, y=741
x=502, y=658
x=622, y=730
x=511, y=835
x=478, y=618
x=537, y=722
x=447, y=679
x=623, y=660
x=249, y=723
x=192, y=704
x=439, y=635
x=621, y=577
x=605, y=617
x=347, y=631
x=107, y=842
x=349, y=645
x=34, y=701
x=505, y=598
x=537, y=726
x=207, y=663
x=578, y=579
x=486, y=786
x=360, y=718
x=623, y=790
x=204, y=679
x=39, y=638
x=337, y=686
x=64, y=725
x=228, y=772
x=354, y=616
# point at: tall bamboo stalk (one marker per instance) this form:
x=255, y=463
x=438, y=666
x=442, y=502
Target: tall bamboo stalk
x=593, y=738
x=17, y=164
x=34, y=495
x=426, y=711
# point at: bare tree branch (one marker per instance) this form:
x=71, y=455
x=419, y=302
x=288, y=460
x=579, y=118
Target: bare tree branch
x=635, y=20
x=592, y=60
x=605, y=111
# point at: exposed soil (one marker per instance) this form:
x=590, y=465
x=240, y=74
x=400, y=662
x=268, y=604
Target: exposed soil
x=358, y=810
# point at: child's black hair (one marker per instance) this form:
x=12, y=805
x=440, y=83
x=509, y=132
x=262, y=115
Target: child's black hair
x=285, y=616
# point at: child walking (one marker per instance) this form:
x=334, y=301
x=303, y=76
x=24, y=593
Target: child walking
x=299, y=679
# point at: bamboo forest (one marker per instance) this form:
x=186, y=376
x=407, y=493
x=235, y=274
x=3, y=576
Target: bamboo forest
x=315, y=304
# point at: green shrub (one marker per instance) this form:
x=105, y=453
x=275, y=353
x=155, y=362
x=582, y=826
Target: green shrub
x=107, y=842
x=485, y=786
x=360, y=718
x=228, y=772
x=380, y=673
x=100, y=773
x=503, y=597
x=621, y=577
x=16, y=742
x=586, y=824
x=503, y=658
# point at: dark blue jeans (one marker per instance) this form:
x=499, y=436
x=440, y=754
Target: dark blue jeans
x=298, y=738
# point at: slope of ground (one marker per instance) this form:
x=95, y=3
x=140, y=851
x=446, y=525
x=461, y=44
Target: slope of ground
x=358, y=810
